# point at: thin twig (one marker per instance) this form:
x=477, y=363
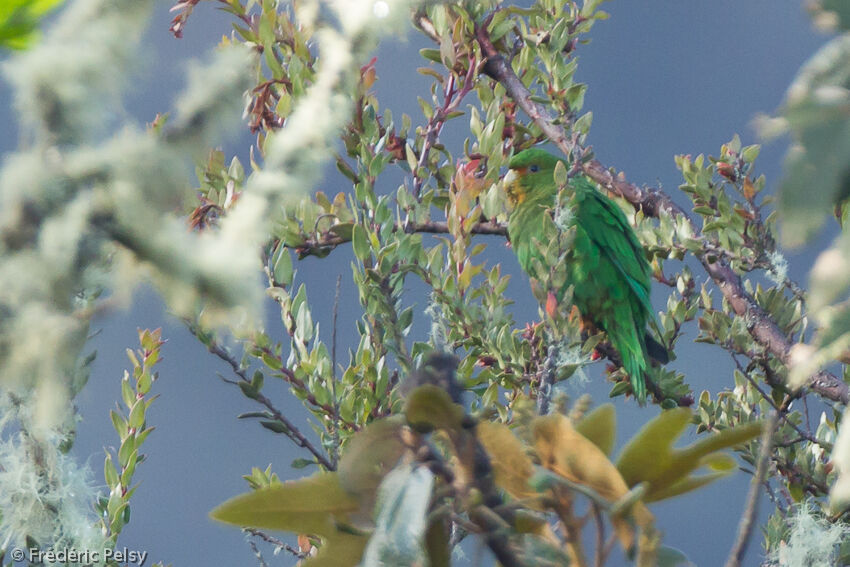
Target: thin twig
x=745, y=527
x=289, y=376
x=609, y=544
x=600, y=534
x=257, y=553
x=274, y=541
x=769, y=399
x=335, y=431
x=291, y=431
x=452, y=97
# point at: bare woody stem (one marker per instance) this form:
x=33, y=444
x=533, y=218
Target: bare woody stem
x=745, y=527
x=654, y=202
x=291, y=430
x=329, y=240
x=452, y=97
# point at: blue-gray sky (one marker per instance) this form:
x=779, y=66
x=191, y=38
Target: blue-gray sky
x=664, y=78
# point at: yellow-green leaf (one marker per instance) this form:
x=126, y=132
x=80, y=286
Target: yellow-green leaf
x=19, y=21
x=600, y=427
x=650, y=456
x=689, y=484
x=566, y=452
x=430, y=407
x=340, y=550
x=310, y=505
x=649, y=451
x=511, y=466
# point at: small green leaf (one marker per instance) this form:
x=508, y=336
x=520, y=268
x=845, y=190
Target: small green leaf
x=560, y=174
x=257, y=381
x=360, y=242
x=431, y=54
x=750, y=153
x=110, y=474
x=276, y=426
x=671, y=557
x=118, y=423
x=248, y=390
x=283, y=266
x=343, y=229
x=137, y=415
x=301, y=463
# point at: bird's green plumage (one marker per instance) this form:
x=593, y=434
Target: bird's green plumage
x=606, y=266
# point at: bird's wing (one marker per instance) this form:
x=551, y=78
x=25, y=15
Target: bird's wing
x=606, y=225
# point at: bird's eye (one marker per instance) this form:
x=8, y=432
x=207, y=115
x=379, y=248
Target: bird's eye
x=534, y=168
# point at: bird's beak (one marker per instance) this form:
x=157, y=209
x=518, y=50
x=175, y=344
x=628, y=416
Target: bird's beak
x=509, y=177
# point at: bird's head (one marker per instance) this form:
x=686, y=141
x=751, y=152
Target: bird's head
x=530, y=171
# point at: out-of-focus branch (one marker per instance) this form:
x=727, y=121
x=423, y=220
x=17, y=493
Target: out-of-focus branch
x=745, y=528
x=654, y=202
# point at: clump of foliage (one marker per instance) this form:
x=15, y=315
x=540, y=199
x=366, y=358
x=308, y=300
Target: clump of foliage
x=488, y=64
x=418, y=449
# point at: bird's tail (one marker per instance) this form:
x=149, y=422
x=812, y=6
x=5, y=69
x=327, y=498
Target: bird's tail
x=633, y=355
x=636, y=367
x=656, y=350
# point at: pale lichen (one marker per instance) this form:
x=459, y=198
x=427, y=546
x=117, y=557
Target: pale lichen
x=778, y=270
x=812, y=541
x=47, y=498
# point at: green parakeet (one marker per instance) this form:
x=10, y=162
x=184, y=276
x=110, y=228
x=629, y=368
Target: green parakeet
x=606, y=265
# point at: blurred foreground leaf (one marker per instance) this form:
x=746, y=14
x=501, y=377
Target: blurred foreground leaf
x=830, y=15
x=511, y=466
x=430, y=407
x=816, y=166
x=565, y=451
x=370, y=455
x=650, y=457
x=316, y=505
x=402, y=509
x=19, y=20
x=600, y=427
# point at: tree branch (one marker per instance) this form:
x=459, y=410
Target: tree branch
x=745, y=527
x=276, y=542
x=321, y=244
x=291, y=431
x=654, y=202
